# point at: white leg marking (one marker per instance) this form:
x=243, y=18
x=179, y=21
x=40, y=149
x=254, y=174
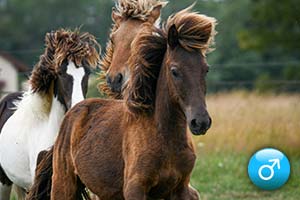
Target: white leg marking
x=77, y=74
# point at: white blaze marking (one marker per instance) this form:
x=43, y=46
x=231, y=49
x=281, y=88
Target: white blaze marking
x=77, y=74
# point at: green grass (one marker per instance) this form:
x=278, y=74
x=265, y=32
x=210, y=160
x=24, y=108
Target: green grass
x=13, y=197
x=223, y=176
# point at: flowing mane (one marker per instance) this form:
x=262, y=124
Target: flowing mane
x=62, y=45
x=137, y=9
x=195, y=32
x=145, y=63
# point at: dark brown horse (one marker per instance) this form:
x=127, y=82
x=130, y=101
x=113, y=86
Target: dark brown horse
x=128, y=17
x=139, y=148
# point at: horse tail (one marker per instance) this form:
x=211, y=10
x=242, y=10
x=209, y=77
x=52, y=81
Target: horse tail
x=41, y=188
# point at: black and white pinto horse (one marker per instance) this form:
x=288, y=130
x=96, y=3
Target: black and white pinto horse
x=58, y=82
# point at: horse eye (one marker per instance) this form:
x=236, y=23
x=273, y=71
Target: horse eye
x=174, y=72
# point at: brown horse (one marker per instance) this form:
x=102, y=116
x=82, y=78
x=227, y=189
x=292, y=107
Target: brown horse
x=128, y=17
x=139, y=148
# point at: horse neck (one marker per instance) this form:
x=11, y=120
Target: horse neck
x=170, y=120
x=51, y=123
x=56, y=114
x=46, y=107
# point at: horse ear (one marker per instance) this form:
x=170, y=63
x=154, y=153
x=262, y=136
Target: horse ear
x=116, y=17
x=173, y=38
x=154, y=14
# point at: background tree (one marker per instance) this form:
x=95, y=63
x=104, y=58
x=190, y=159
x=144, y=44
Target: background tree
x=257, y=38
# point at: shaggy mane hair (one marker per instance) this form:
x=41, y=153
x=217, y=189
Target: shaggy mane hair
x=145, y=63
x=62, y=45
x=137, y=9
x=195, y=32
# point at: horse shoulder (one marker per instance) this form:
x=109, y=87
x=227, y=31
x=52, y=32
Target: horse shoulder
x=88, y=115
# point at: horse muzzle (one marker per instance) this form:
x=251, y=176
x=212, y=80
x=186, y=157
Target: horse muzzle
x=115, y=83
x=200, y=125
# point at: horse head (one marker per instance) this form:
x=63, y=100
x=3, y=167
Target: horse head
x=65, y=66
x=169, y=65
x=128, y=17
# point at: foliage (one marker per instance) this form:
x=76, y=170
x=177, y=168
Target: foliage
x=23, y=24
x=273, y=24
x=262, y=83
x=252, y=34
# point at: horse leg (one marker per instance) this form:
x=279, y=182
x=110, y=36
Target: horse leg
x=5, y=191
x=64, y=180
x=185, y=192
x=134, y=190
x=64, y=185
x=5, y=185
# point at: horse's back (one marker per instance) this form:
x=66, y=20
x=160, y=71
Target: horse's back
x=7, y=107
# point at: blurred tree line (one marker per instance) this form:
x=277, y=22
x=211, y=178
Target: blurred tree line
x=257, y=46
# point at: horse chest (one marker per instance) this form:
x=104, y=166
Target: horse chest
x=174, y=172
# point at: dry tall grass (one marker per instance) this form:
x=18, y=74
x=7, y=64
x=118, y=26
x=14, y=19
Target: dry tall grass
x=245, y=122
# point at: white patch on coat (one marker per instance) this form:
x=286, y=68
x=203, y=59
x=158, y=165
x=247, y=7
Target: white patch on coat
x=30, y=130
x=77, y=73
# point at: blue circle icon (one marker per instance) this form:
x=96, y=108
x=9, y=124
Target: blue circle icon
x=269, y=169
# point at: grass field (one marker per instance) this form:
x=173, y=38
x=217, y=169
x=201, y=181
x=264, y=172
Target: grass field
x=243, y=123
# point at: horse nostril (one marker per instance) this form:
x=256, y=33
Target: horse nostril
x=108, y=80
x=201, y=125
x=119, y=78
x=194, y=123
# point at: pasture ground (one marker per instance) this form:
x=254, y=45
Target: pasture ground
x=243, y=123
